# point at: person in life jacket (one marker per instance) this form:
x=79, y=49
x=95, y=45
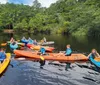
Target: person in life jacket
x=2, y=55
x=94, y=53
x=12, y=40
x=35, y=42
x=44, y=39
x=68, y=50
x=24, y=38
x=42, y=50
x=30, y=41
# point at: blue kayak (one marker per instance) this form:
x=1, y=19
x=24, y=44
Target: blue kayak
x=24, y=41
x=96, y=63
x=14, y=47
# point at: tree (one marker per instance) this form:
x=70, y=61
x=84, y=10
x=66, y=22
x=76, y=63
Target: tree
x=36, y=4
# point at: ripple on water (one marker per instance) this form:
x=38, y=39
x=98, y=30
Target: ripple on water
x=29, y=73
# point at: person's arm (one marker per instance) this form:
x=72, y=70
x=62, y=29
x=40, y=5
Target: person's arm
x=16, y=42
x=89, y=55
x=65, y=51
x=98, y=54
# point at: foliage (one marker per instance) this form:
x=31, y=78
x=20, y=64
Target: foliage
x=76, y=17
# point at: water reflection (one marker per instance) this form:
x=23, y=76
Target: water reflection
x=29, y=72
x=80, y=44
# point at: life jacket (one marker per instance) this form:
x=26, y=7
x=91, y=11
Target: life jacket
x=35, y=43
x=2, y=55
x=42, y=50
x=30, y=41
x=93, y=55
x=13, y=43
x=68, y=51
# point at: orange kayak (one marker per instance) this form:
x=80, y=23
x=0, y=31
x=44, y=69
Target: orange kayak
x=38, y=47
x=51, y=56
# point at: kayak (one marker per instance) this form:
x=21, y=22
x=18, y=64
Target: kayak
x=13, y=46
x=94, y=61
x=24, y=41
x=38, y=47
x=46, y=43
x=51, y=56
x=5, y=63
x=19, y=43
x=97, y=58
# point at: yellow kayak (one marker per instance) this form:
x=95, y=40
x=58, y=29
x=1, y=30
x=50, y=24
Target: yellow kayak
x=5, y=63
x=38, y=47
x=97, y=59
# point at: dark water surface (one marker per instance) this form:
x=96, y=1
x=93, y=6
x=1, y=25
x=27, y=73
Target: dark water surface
x=29, y=73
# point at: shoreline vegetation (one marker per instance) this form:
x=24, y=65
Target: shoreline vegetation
x=71, y=17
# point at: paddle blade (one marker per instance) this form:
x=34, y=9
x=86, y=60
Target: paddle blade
x=20, y=58
x=18, y=40
x=3, y=44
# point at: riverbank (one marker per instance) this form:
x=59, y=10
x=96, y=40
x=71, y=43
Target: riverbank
x=8, y=31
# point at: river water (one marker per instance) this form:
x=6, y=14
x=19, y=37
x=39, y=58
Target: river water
x=29, y=73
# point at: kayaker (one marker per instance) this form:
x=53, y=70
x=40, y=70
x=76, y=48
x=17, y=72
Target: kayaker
x=68, y=53
x=44, y=39
x=29, y=38
x=23, y=38
x=42, y=50
x=35, y=42
x=30, y=41
x=94, y=53
x=68, y=50
x=2, y=55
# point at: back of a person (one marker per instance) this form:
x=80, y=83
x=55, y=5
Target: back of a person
x=35, y=43
x=2, y=56
x=42, y=50
x=44, y=39
x=23, y=38
x=30, y=41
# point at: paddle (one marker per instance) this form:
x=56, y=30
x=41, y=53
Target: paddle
x=18, y=58
x=3, y=44
x=18, y=40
